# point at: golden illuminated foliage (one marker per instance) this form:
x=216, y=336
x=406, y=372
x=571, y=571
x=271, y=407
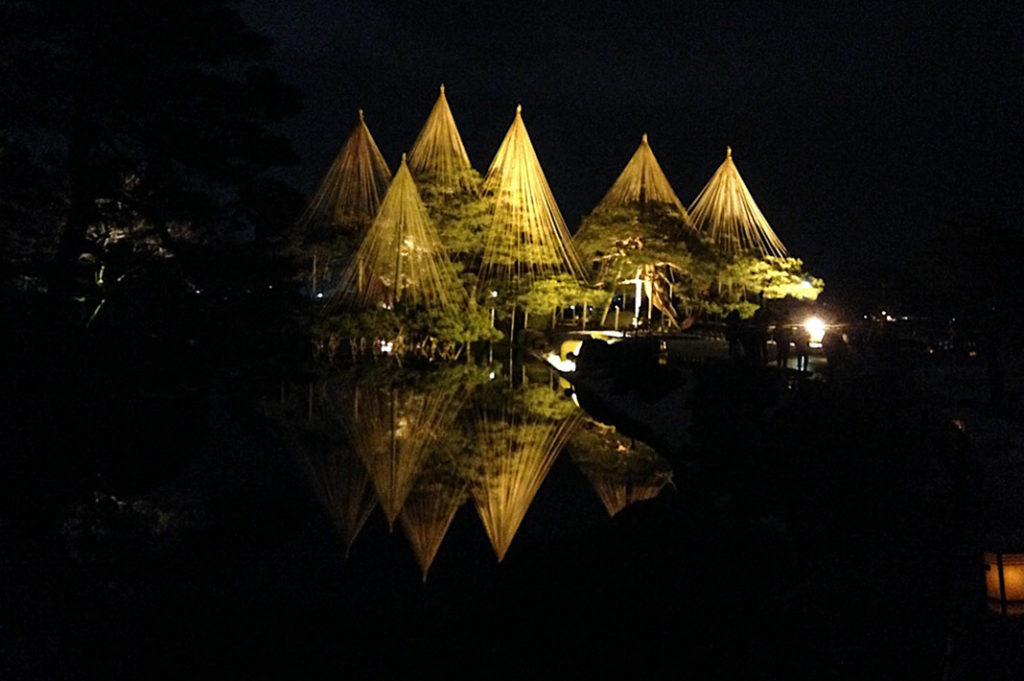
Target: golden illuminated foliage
x=401, y=259
x=527, y=238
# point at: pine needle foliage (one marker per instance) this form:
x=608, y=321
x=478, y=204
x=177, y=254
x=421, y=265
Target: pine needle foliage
x=401, y=259
x=451, y=189
x=527, y=238
x=726, y=212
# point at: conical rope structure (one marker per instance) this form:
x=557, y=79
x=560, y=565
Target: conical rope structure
x=351, y=192
x=393, y=429
x=438, y=155
x=401, y=259
x=430, y=507
x=727, y=213
x=342, y=484
x=516, y=453
x=527, y=237
x=642, y=182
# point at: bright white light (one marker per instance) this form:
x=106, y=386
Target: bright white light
x=557, y=362
x=491, y=376
x=816, y=328
x=575, y=400
x=386, y=346
x=320, y=295
x=494, y=294
x=805, y=284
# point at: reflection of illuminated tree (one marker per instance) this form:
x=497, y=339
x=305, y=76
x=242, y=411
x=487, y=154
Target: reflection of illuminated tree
x=440, y=490
x=394, y=420
x=516, y=443
x=621, y=471
x=342, y=485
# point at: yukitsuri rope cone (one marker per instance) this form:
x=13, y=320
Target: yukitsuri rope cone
x=401, y=259
x=516, y=453
x=527, y=238
x=642, y=182
x=728, y=214
x=438, y=155
x=351, y=192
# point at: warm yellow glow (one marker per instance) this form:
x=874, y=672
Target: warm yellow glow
x=642, y=181
x=527, y=237
x=401, y=258
x=1013, y=582
x=816, y=328
x=352, y=190
x=726, y=212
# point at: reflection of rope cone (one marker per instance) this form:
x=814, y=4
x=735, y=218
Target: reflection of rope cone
x=515, y=456
x=392, y=430
x=342, y=485
x=428, y=512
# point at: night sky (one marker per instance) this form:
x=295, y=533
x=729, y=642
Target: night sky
x=858, y=127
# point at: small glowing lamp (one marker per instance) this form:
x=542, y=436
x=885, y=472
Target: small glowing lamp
x=386, y=346
x=320, y=294
x=1004, y=582
x=816, y=328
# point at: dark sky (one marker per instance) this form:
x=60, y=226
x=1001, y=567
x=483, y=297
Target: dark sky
x=858, y=127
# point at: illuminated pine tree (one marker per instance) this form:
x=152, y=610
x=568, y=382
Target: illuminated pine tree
x=401, y=259
x=640, y=236
x=527, y=238
x=438, y=156
x=642, y=183
x=726, y=212
x=343, y=206
x=449, y=186
x=353, y=189
x=621, y=470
